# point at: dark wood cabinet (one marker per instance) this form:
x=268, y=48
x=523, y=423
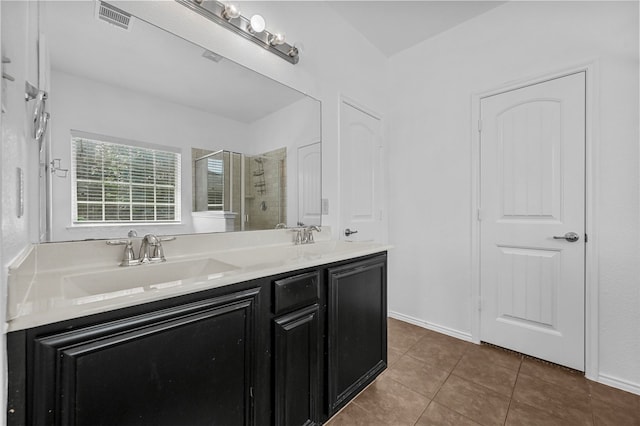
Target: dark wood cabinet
x=357, y=328
x=296, y=349
x=297, y=368
x=191, y=364
x=287, y=350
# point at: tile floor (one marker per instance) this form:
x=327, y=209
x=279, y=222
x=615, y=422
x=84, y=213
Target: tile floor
x=433, y=379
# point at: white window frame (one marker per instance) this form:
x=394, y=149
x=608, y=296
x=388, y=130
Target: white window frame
x=110, y=140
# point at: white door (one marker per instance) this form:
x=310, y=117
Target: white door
x=360, y=175
x=532, y=188
x=309, y=184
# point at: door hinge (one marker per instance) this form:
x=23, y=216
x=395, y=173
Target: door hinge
x=479, y=215
x=251, y=391
x=586, y=238
x=479, y=125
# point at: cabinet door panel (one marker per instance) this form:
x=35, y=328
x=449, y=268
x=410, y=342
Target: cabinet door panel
x=357, y=315
x=193, y=368
x=297, y=368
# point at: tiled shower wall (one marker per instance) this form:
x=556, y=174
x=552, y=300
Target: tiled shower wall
x=266, y=205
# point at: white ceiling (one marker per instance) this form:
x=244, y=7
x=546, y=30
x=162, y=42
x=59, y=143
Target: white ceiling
x=149, y=60
x=393, y=26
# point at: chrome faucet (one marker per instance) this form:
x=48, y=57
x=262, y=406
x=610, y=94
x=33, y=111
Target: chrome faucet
x=150, y=250
x=129, y=256
x=305, y=235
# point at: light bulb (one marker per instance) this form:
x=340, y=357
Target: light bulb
x=231, y=11
x=256, y=24
x=295, y=50
x=276, y=39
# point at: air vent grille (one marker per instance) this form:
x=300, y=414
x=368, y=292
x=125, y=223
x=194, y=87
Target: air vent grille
x=212, y=56
x=114, y=16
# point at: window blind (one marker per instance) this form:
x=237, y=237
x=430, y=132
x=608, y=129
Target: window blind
x=215, y=184
x=118, y=182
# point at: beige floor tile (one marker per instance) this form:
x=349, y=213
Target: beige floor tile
x=476, y=367
x=559, y=376
x=417, y=375
x=354, y=415
x=439, y=415
x=473, y=383
x=473, y=401
x=606, y=414
x=393, y=355
x=571, y=405
x=525, y=415
x=498, y=356
x=401, y=335
x=440, y=351
x=392, y=403
x=613, y=396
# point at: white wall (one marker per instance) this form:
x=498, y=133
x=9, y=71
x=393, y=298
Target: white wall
x=95, y=107
x=18, y=149
x=430, y=130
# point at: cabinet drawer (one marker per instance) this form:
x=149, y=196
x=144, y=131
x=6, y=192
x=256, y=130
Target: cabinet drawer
x=293, y=292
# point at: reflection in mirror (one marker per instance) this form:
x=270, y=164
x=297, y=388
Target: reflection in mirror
x=161, y=135
x=237, y=192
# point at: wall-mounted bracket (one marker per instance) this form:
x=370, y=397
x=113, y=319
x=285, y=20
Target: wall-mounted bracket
x=56, y=168
x=40, y=116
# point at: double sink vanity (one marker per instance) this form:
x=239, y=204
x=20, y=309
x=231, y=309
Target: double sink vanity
x=232, y=329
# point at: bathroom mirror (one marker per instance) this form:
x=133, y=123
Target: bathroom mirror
x=134, y=107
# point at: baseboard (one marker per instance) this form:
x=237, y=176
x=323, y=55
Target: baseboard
x=431, y=326
x=619, y=383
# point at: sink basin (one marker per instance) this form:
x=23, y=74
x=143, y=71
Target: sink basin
x=324, y=248
x=136, y=279
x=265, y=257
x=257, y=258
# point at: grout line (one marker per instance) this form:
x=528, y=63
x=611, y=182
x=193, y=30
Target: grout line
x=423, y=411
x=513, y=390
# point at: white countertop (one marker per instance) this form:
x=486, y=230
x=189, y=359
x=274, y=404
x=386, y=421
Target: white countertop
x=44, y=290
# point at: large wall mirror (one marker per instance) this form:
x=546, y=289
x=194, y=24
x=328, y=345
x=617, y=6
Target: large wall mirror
x=152, y=133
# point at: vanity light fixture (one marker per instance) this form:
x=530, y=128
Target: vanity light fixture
x=228, y=15
x=276, y=39
x=256, y=24
x=230, y=11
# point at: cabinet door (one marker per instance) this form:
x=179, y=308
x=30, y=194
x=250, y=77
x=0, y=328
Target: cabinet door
x=189, y=365
x=297, y=366
x=357, y=328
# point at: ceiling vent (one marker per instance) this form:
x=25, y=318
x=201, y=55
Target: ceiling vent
x=113, y=15
x=213, y=56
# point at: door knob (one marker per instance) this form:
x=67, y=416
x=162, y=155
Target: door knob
x=572, y=237
x=348, y=232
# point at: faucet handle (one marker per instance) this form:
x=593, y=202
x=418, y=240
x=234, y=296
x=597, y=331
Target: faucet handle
x=129, y=256
x=297, y=235
x=309, y=233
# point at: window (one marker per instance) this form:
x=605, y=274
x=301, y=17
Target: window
x=215, y=184
x=123, y=182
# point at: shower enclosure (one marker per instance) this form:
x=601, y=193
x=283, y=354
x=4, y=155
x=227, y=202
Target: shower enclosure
x=247, y=191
